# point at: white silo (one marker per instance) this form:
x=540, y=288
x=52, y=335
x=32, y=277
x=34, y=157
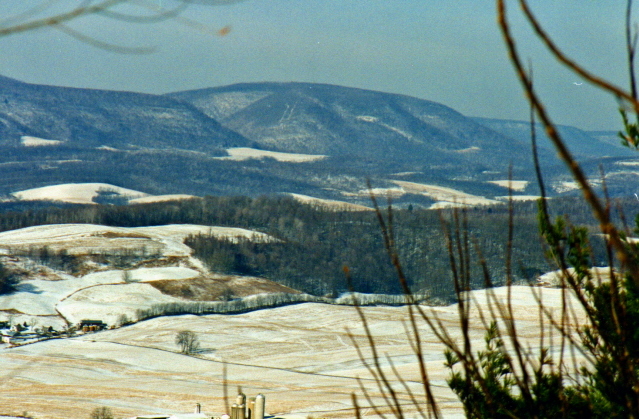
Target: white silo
x=260, y=405
x=250, y=408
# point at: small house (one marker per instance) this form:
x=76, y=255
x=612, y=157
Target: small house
x=16, y=338
x=7, y=336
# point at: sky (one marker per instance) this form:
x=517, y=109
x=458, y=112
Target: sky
x=447, y=51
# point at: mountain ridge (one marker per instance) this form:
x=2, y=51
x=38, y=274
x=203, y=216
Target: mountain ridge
x=94, y=117
x=577, y=140
x=178, y=143
x=343, y=120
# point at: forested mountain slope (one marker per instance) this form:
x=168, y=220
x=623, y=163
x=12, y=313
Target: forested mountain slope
x=312, y=140
x=95, y=118
x=341, y=121
x=582, y=143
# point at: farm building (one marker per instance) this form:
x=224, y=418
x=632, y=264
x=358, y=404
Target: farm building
x=254, y=408
x=18, y=337
x=91, y=325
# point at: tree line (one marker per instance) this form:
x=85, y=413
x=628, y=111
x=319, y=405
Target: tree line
x=314, y=244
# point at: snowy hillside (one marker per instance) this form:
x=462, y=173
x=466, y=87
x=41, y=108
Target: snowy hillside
x=86, y=193
x=48, y=296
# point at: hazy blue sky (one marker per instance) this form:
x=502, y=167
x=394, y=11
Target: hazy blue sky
x=448, y=51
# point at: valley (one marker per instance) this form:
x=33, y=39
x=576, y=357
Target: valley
x=63, y=297
x=266, y=209
x=233, y=212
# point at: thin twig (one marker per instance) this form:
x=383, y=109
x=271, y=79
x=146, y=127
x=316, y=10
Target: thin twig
x=571, y=64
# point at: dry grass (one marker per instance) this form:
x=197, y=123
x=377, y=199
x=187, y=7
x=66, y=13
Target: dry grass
x=119, y=235
x=219, y=287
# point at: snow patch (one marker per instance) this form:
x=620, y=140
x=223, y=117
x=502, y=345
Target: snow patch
x=553, y=278
x=160, y=198
x=567, y=186
x=367, y=118
x=628, y=163
x=515, y=185
x=107, y=148
x=329, y=203
x=398, y=131
x=245, y=153
x=469, y=149
x=385, y=192
x=447, y=197
x=29, y=141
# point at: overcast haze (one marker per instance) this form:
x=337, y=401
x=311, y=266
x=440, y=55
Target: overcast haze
x=446, y=51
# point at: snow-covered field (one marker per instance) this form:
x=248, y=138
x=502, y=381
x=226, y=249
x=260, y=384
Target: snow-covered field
x=554, y=278
x=300, y=357
x=567, y=186
x=92, y=238
x=28, y=141
x=446, y=197
x=329, y=203
x=160, y=198
x=84, y=193
x=47, y=297
x=515, y=185
x=245, y=153
x=100, y=295
x=75, y=193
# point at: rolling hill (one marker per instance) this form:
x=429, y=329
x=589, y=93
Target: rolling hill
x=157, y=264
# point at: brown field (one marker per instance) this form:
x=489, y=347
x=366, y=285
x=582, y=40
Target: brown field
x=300, y=357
